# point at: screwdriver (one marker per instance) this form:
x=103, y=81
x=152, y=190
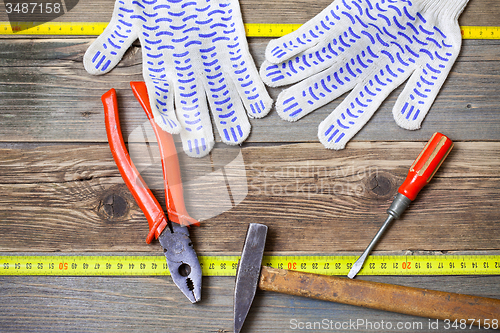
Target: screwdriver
x=421, y=172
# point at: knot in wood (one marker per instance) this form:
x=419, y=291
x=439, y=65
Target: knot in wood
x=380, y=184
x=114, y=206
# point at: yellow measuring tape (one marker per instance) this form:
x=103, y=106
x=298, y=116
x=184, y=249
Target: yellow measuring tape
x=125, y=265
x=252, y=29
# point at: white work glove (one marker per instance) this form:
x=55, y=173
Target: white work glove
x=192, y=50
x=370, y=47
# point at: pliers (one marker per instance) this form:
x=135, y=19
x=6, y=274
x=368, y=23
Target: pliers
x=172, y=229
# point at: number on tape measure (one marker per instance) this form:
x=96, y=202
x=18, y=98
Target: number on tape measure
x=227, y=265
x=269, y=29
x=477, y=32
x=53, y=28
x=83, y=265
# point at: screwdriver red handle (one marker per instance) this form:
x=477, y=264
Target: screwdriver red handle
x=426, y=165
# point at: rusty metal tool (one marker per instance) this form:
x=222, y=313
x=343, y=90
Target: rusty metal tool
x=420, y=174
x=170, y=229
x=382, y=296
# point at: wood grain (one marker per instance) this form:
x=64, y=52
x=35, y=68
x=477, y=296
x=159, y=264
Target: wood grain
x=127, y=304
x=72, y=198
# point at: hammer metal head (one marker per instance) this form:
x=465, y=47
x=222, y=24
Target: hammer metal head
x=247, y=277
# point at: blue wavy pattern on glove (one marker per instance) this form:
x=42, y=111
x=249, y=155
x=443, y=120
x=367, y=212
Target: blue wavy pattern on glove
x=191, y=50
x=401, y=35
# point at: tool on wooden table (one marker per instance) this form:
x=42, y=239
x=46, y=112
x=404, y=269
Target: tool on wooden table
x=420, y=174
x=171, y=229
x=407, y=300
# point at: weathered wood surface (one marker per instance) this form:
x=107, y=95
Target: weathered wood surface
x=61, y=192
x=321, y=200
x=100, y=304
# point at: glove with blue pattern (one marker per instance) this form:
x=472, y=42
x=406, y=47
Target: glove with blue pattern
x=195, y=56
x=368, y=47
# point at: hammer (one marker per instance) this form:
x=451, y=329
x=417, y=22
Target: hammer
x=382, y=296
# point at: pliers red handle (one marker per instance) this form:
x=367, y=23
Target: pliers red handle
x=172, y=175
x=181, y=259
x=174, y=194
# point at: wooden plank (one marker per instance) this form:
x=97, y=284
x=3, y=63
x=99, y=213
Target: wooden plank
x=57, y=194
x=71, y=198
x=153, y=304
x=477, y=12
x=48, y=96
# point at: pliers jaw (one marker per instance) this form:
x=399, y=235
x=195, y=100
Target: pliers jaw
x=182, y=261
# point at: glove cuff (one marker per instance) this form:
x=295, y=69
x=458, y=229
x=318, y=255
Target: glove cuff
x=445, y=8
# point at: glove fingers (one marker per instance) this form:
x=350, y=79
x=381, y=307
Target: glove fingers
x=332, y=21
x=161, y=99
x=198, y=141
x=422, y=88
x=192, y=110
x=227, y=108
x=357, y=109
x=108, y=49
x=304, y=65
x=308, y=95
x=196, y=134
x=314, y=92
x=238, y=63
x=298, y=68
x=311, y=61
x=250, y=87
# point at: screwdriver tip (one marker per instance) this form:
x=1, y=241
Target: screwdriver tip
x=354, y=271
x=356, y=267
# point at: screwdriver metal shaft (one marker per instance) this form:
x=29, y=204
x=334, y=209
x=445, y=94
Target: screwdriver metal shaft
x=420, y=174
x=361, y=260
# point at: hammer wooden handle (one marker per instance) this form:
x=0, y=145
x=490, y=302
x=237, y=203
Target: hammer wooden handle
x=381, y=296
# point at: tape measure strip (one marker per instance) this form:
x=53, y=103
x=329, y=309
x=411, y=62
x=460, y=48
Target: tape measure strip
x=66, y=265
x=252, y=29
